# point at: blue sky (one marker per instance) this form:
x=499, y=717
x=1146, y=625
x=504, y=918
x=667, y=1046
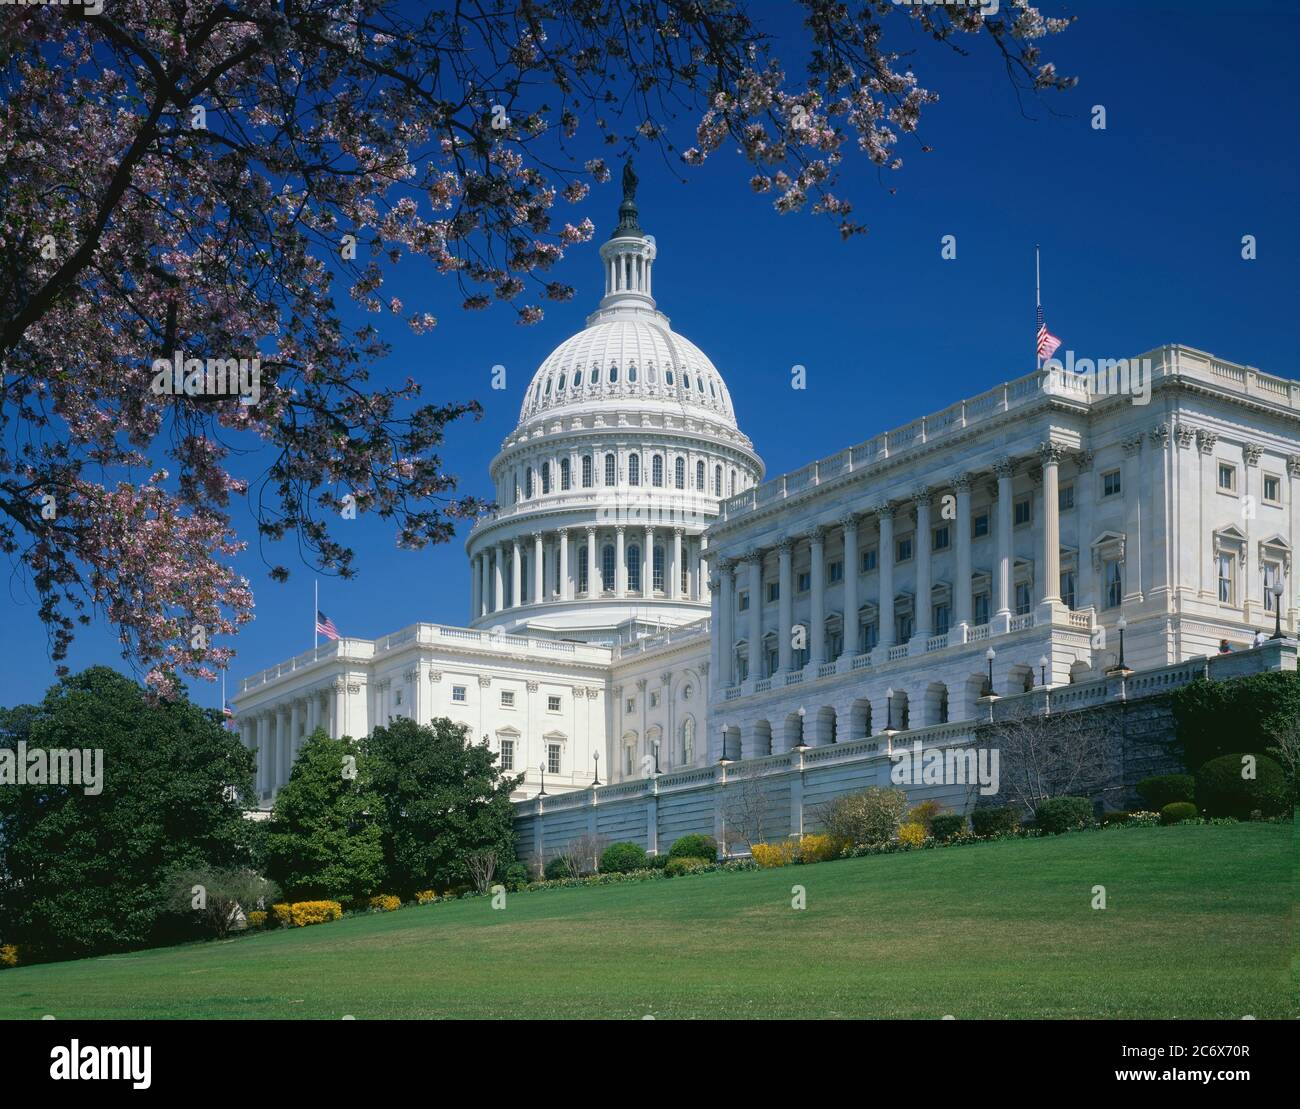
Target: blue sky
x=1140, y=226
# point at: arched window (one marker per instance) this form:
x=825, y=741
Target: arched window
x=546, y=389
x=633, y=559
x=528, y=482
x=686, y=380
x=699, y=476
x=559, y=388
x=657, y=470
x=546, y=478
x=679, y=473
x=699, y=384
x=566, y=474
x=712, y=391
x=586, y=471
x=607, y=568
x=634, y=469
x=577, y=378
x=668, y=376
x=631, y=373
x=717, y=481
x=611, y=470
x=613, y=375
x=688, y=741
x=582, y=569
x=658, y=582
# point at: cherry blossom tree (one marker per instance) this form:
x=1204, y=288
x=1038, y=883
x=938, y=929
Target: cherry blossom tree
x=194, y=180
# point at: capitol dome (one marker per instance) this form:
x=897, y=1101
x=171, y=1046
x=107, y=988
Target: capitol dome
x=626, y=446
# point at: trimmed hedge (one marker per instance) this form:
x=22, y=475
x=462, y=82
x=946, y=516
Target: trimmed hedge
x=1175, y=811
x=556, y=868
x=998, y=820
x=947, y=825
x=681, y=864
x=1063, y=814
x=1222, y=791
x=619, y=858
x=694, y=846
x=1165, y=789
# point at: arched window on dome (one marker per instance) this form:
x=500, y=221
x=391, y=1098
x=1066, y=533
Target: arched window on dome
x=611, y=470
x=668, y=377
x=631, y=374
x=699, y=476
x=559, y=385
x=632, y=556
x=586, y=471
x=546, y=389
x=613, y=375
x=528, y=482
x=607, y=569
x=686, y=381
x=577, y=379
x=657, y=471
x=582, y=569
x=634, y=469
x=566, y=475
x=699, y=384
x=712, y=392
x=546, y=478
x=679, y=473
x=717, y=481
x=652, y=375
x=658, y=583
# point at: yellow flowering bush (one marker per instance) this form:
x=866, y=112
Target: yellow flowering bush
x=818, y=848
x=280, y=915
x=257, y=919
x=774, y=854
x=8, y=955
x=385, y=902
x=423, y=897
x=923, y=813
x=911, y=834
x=303, y=913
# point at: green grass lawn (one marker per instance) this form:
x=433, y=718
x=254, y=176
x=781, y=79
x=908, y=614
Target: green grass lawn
x=1198, y=924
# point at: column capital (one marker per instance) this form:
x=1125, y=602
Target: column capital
x=1005, y=467
x=1084, y=459
x=537, y=537
x=1184, y=435
x=817, y=534
x=885, y=510
x=850, y=522
x=1132, y=444
x=563, y=533
x=1253, y=452
x=1293, y=465
x=1051, y=453
x=753, y=555
x=962, y=483
x=785, y=545
x=1160, y=435
x=921, y=495
x=619, y=529
x=679, y=532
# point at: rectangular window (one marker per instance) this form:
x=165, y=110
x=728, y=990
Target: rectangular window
x=1068, y=589
x=902, y=628
x=1022, y=512
x=903, y=549
x=773, y=592
x=941, y=618
x=628, y=756
x=1111, y=486
x=868, y=560
x=868, y=637
x=834, y=645
x=742, y=668
x=835, y=571
x=1114, y=576
x=458, y=693
x=804, y=580
x=1227, y=477
x=1065, y=497
x=654, y=700
x=1226, y=564
x=1272, y=489
x=657, y=570
x=980, y=613
x=742, y=601
x=979, y=525
x=1270, y=576
x=507, y=698
x=552, y=703
x=507, y=754
x=940, y=540
x=630, y=704
x=773, y=661
x=552, y=758
x=1024, y=598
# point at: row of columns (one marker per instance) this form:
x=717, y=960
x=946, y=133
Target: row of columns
x=490, y=564
x=276, y=734
x=1048, y=579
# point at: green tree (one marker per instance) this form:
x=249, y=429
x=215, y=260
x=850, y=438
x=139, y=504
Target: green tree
x=324, y=840
x=1216, y=718
x=82, y=874
x=442, y=798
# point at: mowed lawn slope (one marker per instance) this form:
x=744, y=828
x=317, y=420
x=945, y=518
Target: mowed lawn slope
x=1198, y=924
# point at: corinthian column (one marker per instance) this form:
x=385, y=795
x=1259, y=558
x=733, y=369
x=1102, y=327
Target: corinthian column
x=961, y=587
x=817, y=545
x=1050, y=590
x=885, y=574
x=785, y=604
x=851, y=565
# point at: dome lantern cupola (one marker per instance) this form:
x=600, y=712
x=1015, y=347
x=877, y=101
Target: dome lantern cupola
x=628, y=256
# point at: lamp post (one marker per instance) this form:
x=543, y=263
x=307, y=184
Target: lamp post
x=1276, y=590
x=1042, y=670
x=596, y=756
x=802, y=745
x=656, y=750
x=542, y=767
x=990, y=655
x=890, y=730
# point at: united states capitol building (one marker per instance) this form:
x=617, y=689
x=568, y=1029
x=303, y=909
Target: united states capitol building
x=643, y=605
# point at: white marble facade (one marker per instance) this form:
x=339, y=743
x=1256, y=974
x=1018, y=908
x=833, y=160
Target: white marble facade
x=641, y=598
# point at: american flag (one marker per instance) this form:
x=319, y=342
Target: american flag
x=325, y=626
x=1047, y=342
x=229, y=716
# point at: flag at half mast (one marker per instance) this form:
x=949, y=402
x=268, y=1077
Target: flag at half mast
x=1045, y=343
x=325, y=626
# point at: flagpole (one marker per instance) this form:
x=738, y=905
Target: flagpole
x=1038, y=305
x=315, y=619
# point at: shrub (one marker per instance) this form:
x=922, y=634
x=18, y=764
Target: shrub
x=1142, y=819
x=1063, y=814
x=818, y=848
x=680, y=864
x=385, y=902
x=1175, y=811
x=304, y=913
x=924, y=813
x=619, y=858
x=1110, y=819
x=256, y=919
x=558, y=867
x=694, y=846
x=998, y=820
x=872, y=816
x=1165, y=789
x=280, y=916
x=515, y=876
x=1222, y=791
x=913, y=835
x=425, y=897
x=657, y=862
x=774, y=854
x=947, y=826
x=9, y=955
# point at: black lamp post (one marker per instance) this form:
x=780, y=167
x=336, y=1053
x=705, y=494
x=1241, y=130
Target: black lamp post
x=656, y=750
x=1042, y=670
x=596, y=780
x=990, y=655
x=889, y=712
x=542, y=767
x=1276, y=590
